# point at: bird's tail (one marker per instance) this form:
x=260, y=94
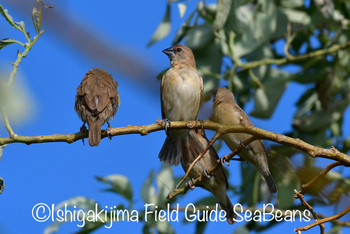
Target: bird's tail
x=226, y=205
x=270, y=183
x=95, y=131
x=175, y=147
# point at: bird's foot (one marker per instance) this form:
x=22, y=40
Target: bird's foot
x=109, y=131
x=206, y=173
x=83, y=130
x=224, y=161
x=190, y=183
x=202, y=124
x=166, y=122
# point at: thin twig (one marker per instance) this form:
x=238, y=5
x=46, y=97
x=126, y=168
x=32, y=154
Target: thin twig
x=321, y=174
x=226, y=158
x=309, y=207
x=324, y=220
x=212, y=141
x=7, y=124
x=283, y=61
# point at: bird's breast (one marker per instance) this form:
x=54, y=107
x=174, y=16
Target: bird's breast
x=181, y=95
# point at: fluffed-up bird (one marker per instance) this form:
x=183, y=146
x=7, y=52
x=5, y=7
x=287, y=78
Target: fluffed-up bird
x=181, y=94
x=217, y=182
x=97, y=101
x=227, y=111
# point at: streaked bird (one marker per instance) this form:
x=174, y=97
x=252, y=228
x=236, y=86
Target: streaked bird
x=97, y=101
x=227, y=111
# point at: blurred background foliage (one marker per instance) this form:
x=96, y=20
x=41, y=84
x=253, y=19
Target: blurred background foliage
x=254, y=48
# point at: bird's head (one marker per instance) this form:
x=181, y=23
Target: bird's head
x=180, y=54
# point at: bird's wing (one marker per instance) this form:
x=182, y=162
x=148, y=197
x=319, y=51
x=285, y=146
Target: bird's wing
x=161, y=100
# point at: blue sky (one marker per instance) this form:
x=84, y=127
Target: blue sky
x=54, y=172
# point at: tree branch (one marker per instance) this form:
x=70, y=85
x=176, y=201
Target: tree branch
x=321, y=174
x=226, y=158
x=309, y=207
x=324, y=220
x=313, y=151
x=290, y=59
x=212, y=141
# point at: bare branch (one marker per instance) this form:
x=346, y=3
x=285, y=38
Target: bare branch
x=322, y=173
x=258, y=133
x=217, y=135
x=324, y=220
x=309, y=207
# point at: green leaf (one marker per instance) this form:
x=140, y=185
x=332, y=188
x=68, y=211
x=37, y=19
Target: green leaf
x=119, y=184
x=209, y=61
x=321, y=119
x=200, y=226
x=199, y=37
x=206, y=201
x=241, y=230
x=16, y=100
x=6, y=42
x=7, y=16
x=164, y=227
x=182, y=9
x=76, y=202
x=185, y=27
x=148, y=192
x=165, y=183
x=267, y=97
x=286, y=187
x=292, y=3
x=163, y=28
x=254, y=28
x=222, y=13
x=36, y=17
x=298, y=17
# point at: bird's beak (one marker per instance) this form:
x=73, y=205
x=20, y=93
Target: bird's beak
x=169, y=52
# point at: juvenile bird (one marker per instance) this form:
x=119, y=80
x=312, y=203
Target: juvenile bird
x=97, y=100
x=215, y=183
x=181, y=94
x=226, y=111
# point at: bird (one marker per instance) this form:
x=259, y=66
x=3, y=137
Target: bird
x=181, y=95
x=215, y=183
x=227, y=111
x=97, y=100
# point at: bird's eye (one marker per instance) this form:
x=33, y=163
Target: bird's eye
x=178, y=49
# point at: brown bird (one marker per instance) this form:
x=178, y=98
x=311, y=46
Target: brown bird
x=215, y=183
x=181, y=94
x=97, y=100
x=226, y=111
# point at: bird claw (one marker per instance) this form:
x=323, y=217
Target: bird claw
x=83, y=130
x=166, y=121
x=202, y=124
x=109, y=131
x=224, y=161
x=190, y=183
x=206, y=173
